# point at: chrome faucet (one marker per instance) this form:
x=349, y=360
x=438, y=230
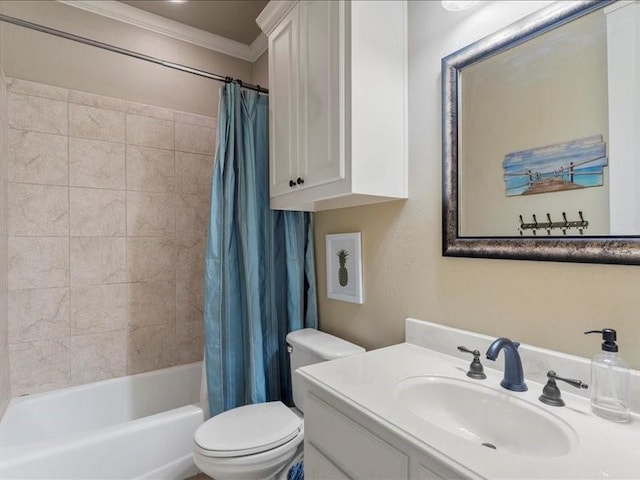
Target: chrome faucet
x=513, y=375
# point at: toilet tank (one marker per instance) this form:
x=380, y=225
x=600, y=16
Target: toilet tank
x=309, y=346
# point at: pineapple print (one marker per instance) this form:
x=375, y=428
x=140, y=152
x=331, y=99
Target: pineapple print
x=343, y=274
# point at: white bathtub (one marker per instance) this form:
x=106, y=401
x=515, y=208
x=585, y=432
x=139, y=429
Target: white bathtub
x=135, y=427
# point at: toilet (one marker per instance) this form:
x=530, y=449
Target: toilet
x=261, y=441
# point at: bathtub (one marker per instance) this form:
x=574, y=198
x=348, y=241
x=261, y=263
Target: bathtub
x=135, y=427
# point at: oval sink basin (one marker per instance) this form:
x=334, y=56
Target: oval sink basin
x=485, y=416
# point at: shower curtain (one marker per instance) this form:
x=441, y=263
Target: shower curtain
x=259, y=265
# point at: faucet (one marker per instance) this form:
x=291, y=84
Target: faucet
x=513, y=375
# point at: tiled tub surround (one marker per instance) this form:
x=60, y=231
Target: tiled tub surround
x=107, y=213
x=5, y=390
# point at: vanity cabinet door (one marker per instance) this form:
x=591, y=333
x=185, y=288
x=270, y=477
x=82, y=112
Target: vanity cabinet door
x=319, y=467
x=429, y=469
x=353, y=449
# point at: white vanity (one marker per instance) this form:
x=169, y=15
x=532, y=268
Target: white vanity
x=410, y=411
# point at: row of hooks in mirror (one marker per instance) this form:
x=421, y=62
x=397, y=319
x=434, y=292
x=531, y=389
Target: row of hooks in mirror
x=565, y=225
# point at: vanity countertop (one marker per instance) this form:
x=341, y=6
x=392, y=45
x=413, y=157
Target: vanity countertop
x=603, y=449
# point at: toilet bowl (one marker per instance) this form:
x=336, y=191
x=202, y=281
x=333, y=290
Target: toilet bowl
x=257, y=442
x=253, y=442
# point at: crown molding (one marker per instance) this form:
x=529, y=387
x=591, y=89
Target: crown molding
x=259, y=46
x=155, y=23
x=275, y=11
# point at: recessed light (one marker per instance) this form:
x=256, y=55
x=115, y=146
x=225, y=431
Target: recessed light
x=177, y=1
x=457, y=5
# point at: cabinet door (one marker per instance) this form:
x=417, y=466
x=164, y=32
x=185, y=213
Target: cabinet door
x=319, y=467
x=283, y=104
x=349, y=446
x=321, y=121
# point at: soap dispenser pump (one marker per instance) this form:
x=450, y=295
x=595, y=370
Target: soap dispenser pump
x=609, y=380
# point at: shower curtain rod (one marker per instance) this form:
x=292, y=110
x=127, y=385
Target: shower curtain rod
x=129, y=53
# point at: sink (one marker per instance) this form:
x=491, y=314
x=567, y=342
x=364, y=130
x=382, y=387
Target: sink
x=485, y=416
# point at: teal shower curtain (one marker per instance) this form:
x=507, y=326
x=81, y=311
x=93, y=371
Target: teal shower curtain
x=259, y=265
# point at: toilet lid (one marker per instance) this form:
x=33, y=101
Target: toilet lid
x=248, y=430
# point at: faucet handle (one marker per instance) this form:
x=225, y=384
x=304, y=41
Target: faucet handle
x=476, y=370
x=551, y=393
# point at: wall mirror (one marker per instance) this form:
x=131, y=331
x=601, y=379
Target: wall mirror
x=541, y=138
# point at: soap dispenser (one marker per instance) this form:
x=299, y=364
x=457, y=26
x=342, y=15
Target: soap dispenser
x=609, y=380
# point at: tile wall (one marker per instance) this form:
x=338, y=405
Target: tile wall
x=5, y=390
x=108, y=205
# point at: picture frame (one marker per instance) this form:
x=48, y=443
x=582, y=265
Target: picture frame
x=344, y=267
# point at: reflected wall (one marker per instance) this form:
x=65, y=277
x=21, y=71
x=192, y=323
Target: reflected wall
x=549, y=91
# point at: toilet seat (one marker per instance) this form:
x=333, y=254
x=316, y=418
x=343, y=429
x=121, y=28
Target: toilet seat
x=247, y=430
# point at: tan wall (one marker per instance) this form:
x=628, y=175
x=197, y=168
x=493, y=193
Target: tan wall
x=39, y=57
x=5, y=390
x=541, y=303
x=509, y=105
x=260, y=70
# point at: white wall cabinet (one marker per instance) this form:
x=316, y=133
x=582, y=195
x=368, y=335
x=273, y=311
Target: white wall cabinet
x=337, y=102
x=342, y=443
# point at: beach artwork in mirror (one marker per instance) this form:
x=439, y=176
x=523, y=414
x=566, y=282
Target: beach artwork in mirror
x=541, y=143
x=554, y=168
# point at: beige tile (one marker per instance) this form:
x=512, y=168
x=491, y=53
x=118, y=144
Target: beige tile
x=151, y=303
x=189, y=345
x=97, y=309
x=192, y=216
x=189, y=308
x=96, y=123
x=189, y=280
x=150, y=169
x=38, y=210
x=193, y=173
x=150, y=132
x=98, y=260
x=150, y=348
x=150, y=111
x=195, y=139
x=96, y=212
x=98, y=357
x=4, y=261
x=151, y=259
x=193, y=119
x=38, y=262
x=37, y=157
x=39, y=314
x=97, y=101
x=39, y=366
x=151, y=214
x=37, y=114
x=94, y=163
x=37, y=89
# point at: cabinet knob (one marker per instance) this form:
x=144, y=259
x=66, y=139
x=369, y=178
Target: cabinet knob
x=292, y=183
x=300, y=181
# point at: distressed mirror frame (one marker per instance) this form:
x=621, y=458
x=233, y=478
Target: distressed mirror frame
x=593, y=249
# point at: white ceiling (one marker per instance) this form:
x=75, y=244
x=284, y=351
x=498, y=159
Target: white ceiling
x=233, y=19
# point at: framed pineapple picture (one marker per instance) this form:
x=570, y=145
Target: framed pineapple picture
x=344, y=267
